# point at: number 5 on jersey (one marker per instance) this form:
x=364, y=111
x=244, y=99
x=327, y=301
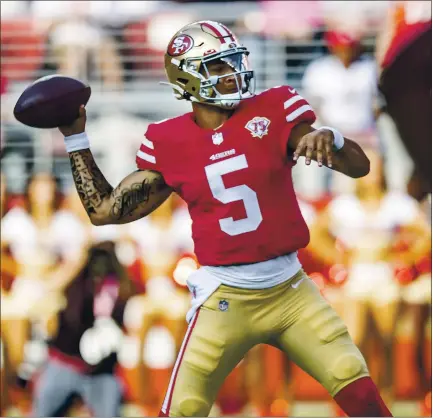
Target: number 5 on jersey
x=214, y=173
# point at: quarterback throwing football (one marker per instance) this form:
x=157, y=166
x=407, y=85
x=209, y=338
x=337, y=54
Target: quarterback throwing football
x=230, y=159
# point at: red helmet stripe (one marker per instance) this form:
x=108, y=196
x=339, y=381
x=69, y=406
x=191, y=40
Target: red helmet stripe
x=218, y=30
x=229, y=32
x=214, y=30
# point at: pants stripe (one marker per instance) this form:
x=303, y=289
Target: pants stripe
x=169, y=395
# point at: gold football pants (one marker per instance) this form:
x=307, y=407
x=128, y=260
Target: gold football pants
x=292, y=316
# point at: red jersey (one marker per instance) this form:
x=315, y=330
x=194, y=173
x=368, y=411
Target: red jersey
x=236, y=180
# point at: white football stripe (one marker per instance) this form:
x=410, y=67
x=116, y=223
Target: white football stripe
x=147, y=143
x=217, y=27
x=292, y=116
x=221, y=30
x=227, y=31
x=147, y=157
x=291, y=101
x=177, y=363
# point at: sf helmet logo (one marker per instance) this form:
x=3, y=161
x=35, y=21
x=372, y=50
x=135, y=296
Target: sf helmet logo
x=180, y=45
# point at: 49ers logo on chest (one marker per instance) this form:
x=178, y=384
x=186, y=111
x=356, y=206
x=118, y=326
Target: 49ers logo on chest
x=180, y=45
x=258, y=126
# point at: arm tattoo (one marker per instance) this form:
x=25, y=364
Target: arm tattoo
x=92, y=187
x=129, y=198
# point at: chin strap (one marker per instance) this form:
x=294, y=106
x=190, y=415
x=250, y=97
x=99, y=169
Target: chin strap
x=179, y=93
x=221, y=101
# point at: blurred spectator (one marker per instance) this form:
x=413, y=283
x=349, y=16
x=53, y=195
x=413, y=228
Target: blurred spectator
x=17, y=155
x=341, y=87
x=415, y=303
x=8, y=264
x=22, y=44
x=78, y=46
x=16, y=144
x=30, y=234
x=78, y=231
x=356, y=234
x=82, y=354
x=404, y=49
x=8, y=271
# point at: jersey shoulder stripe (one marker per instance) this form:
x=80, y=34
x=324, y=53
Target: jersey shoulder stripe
x=289, y=103
x=146, y=157
x=298, y=112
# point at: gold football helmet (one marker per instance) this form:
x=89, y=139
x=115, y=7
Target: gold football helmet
x=188, y=53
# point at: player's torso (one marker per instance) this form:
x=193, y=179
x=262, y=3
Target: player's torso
x=236, y=183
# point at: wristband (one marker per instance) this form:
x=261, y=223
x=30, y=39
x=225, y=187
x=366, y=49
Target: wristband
x=77, y=142
x=338, y=138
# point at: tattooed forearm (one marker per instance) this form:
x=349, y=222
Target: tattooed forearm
x=129, y=198
x=136, y=196
x=92, y=187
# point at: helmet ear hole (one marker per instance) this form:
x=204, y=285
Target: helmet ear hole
x=183, y=81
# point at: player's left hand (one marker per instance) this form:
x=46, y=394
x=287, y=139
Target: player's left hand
x=318, y=142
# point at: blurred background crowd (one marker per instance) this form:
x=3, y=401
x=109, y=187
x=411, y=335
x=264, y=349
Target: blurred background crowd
x=95, y=315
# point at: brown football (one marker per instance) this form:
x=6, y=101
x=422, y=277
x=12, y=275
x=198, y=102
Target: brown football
x=51, y=101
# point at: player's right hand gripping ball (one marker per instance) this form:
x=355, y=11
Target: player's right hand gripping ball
x=51, y=102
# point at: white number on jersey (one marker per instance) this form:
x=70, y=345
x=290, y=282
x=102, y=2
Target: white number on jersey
x=214, y=173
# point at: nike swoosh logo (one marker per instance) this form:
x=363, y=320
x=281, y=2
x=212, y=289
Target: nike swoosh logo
x=296, y=285
x=293, y=91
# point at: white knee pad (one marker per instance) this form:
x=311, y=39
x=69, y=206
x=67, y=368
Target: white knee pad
x=193, y=407
x=348, y=367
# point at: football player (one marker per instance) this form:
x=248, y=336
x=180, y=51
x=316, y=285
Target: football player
x=230, y=159
x=404, y=52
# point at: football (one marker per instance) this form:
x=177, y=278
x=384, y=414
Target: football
x=51, y=101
